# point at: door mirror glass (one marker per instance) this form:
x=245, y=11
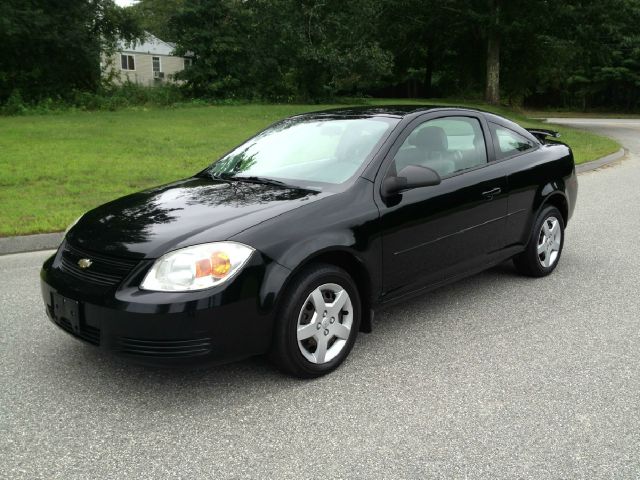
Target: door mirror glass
x=411, y=176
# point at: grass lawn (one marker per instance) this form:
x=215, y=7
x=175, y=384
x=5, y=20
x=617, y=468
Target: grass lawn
x=55, y=167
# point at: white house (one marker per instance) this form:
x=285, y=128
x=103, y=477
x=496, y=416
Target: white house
x=149, y=63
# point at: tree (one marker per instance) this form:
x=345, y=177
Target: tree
x=215, y=33
x=604, y=69
x=339, y=50
x=420, y=34
x=280, y=48
x=51, y=47
x=542, y=52
x=154, y=16
x=512, y=31
x=492, y=92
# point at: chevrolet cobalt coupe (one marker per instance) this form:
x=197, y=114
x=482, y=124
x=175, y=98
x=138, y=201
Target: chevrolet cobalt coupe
x=288, y=243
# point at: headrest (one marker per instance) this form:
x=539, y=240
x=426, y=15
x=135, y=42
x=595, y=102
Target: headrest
x=432, y=139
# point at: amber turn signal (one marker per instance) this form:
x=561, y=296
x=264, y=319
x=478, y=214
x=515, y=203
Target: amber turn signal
x=220, y=264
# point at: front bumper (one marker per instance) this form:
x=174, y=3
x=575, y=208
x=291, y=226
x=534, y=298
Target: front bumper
x=216, y=325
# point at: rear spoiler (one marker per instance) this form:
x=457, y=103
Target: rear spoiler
x=541, y=133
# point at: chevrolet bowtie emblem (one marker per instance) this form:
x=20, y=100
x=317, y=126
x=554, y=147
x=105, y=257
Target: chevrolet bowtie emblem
x=84, y=263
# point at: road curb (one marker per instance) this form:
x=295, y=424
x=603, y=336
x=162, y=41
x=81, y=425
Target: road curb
x=601, y=162
x=30, y=243
x=50, y=241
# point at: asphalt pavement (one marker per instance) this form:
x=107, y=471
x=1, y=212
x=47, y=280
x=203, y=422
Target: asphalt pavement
x=497, y=376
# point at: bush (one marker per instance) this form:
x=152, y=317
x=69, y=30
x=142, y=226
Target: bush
x=131, y=95
x=15, y=104
x=106, y=98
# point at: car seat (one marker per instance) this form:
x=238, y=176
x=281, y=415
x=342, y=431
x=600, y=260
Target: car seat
x=433, y=144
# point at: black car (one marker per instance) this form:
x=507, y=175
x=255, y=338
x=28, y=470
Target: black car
x=288, y=243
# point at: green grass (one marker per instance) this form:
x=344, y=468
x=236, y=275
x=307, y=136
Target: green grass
x=55, y=167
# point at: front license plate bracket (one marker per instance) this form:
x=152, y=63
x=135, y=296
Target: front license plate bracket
x=65, y=308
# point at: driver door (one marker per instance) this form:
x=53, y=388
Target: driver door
x=430, y=234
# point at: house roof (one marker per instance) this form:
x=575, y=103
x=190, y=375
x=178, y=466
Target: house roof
x=151, y=45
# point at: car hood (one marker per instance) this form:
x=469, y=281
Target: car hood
x=197, y=210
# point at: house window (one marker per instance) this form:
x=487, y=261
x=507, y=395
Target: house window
x=155, y=64
x=127, y=62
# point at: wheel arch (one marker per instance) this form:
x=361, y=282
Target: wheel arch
x=559, y=200
x=350, y=262
x=552, y=193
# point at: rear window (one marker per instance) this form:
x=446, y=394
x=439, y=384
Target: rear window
x=507, y=142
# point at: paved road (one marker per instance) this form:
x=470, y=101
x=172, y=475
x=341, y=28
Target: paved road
x=495, y=377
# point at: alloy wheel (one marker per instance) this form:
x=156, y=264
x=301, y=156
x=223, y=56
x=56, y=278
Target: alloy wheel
x=549, y=241
x=324, y=323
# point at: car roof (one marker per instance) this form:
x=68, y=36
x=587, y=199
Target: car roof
x=398, y=111
x=401, y=111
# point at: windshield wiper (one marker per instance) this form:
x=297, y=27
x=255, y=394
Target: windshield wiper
x=218, y=176
x=262, y=180
x=227, y=177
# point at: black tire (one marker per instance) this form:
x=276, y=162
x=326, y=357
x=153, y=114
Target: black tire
x=529, y=262
x=285, y=352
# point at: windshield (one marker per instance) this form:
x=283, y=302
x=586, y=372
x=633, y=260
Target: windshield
x=307, y=151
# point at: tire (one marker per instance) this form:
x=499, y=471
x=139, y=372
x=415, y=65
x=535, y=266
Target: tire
x=308, y=341
x=544, y=247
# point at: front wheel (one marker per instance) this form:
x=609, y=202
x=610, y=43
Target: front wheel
x=318, y=322
x=545, y=245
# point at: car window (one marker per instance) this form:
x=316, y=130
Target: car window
x=447, y=145
x=508, y=142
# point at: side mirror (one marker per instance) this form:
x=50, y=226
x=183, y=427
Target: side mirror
x=411, y=176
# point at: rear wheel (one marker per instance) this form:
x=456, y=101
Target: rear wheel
x=545, y=245
x=318, y=322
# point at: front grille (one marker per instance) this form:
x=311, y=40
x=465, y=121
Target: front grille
x=104, y=270
x=87, y=332
x=165, y=348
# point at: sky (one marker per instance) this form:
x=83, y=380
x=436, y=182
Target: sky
x=125, y=3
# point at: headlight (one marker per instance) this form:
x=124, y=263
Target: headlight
x=197, y=267
x=72, y=224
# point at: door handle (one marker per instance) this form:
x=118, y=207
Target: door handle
x=489, y=194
